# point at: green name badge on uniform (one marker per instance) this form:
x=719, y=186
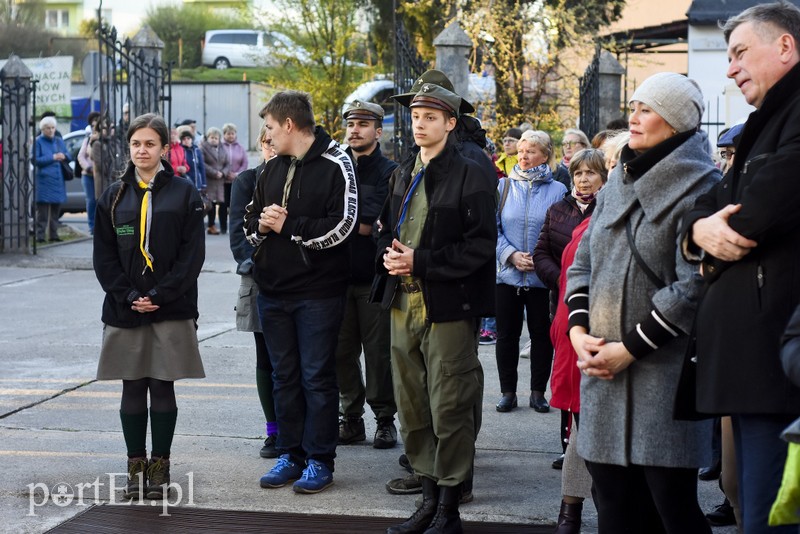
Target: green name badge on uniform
x=125, y=229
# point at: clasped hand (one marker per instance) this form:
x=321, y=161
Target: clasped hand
x=143, y=305
x=522, y=261
x=272, y=218
x=399, y=259
x=598, y=358
x=714, y=235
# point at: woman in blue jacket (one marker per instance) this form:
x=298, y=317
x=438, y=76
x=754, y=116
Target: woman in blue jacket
x=531, y=191
x=50, y=189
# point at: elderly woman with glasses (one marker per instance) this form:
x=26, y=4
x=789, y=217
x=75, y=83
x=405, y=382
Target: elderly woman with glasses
x=525, y=197
x=574, y=141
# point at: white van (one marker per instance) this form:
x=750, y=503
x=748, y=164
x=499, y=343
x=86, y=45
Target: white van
x=245, y=48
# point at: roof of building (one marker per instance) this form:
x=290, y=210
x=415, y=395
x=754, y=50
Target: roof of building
x=710, y=12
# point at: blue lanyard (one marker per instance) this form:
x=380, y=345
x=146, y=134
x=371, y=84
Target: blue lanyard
x=414, y=183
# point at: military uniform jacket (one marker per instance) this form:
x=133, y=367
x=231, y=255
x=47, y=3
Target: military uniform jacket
x=455, y=259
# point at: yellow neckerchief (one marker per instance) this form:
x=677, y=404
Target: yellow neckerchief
x=146, y=217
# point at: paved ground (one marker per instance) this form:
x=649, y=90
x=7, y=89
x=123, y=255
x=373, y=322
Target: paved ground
x=60, y=431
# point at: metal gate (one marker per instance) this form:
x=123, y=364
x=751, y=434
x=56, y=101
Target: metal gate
x=17, y=185
x=408, y=65
x=590, y=97
x=130, y=73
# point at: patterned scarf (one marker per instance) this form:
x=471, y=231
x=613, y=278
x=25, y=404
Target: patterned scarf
x=540, y=173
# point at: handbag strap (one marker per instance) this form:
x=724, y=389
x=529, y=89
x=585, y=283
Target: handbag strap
x=659, y=283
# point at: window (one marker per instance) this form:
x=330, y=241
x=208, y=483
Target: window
x=56, y=18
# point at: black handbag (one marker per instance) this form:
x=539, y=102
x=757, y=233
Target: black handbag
x=66, y=170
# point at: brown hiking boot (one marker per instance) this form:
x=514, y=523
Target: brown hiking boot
x=158, y=478
x=137, y=478
x=351, y=430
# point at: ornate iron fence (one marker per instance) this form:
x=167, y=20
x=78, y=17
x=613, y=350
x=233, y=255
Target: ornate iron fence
x=17, y=184
x=590, y=97
x=131, y=74
x=408, y=66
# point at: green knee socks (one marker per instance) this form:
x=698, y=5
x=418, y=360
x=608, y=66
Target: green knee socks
x=162, y=427
x=134, y=428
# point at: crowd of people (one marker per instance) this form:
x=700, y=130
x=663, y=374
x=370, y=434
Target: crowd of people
x=658, y=284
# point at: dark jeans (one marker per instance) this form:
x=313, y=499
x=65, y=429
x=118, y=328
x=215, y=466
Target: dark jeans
x=91, y=202
x=301, y=339
x=223, y=216
x=511, y=303
x=760, y=459
x=636, y=499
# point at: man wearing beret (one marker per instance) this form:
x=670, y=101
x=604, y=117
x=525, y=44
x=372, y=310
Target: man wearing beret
x=437, y=248
x=746, y=233
x=365, y=324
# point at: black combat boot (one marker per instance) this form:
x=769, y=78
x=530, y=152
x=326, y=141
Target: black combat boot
x=419, y=521
x=447, y=519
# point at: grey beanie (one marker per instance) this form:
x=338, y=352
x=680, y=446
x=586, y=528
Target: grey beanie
x=676, y=98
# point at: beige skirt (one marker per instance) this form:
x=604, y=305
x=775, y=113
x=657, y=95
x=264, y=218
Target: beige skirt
x=166, y=351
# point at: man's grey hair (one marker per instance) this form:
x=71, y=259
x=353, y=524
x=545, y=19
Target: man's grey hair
x=781, y=15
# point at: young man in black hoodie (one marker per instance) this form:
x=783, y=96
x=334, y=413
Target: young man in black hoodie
x=365, y=324
x=437, y=247
x=304, y=209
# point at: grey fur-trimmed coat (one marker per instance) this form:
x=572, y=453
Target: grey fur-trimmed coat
x=628, y=420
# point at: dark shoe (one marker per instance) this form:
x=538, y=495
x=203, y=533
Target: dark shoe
x=558, y=463
x=407, y=485
x=711, y=472
x=158, y=478
x=269, y=450
x=137, y=478
x=42, y=240
x=405, y=464
x=539, y=403
x=507, y=402
x=569, y=518
x=487, y=337
x=55, y=240
x=351, y=430
x=316, y=477
x=282, y=473
x=722, y=515
x=447, y=519
x=386, y=434
x=419, y=520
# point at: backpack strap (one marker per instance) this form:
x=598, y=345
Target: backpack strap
x=506, y=184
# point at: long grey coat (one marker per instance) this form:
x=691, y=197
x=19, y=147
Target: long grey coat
x=628, y=420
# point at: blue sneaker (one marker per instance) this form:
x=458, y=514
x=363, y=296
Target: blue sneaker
x=284, y=472
x=316, y=477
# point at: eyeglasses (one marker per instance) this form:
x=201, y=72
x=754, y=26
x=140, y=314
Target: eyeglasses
x=570, y=144
x=726, y=153
x=509, y=140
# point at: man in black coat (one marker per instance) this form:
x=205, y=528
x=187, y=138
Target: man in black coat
x=746, y=232
x=365, y=324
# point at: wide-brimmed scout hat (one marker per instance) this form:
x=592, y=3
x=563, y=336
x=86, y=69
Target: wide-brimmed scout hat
x=435, y=77
x=358, y=109
x=437, y=97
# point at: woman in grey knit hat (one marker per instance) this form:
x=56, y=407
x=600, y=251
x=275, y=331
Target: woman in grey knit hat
x=632, y=301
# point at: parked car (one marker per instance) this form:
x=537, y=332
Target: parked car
x=246, y=48
x=76, y=198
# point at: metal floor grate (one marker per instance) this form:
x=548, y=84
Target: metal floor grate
x=116, y=519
